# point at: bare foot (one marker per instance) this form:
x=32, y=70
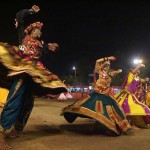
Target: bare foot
x=128, y=132
x=14, y=134
x=3, y=144
x=135, y=127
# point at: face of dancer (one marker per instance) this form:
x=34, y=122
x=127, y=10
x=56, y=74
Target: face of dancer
x=138, y=72
x=36, y=33
x=107, y=67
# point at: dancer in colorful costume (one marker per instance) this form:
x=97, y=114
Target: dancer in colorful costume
x=137, y=112
x=99, y=105
x=140, y=93
x=24, y=63
x=147, y=98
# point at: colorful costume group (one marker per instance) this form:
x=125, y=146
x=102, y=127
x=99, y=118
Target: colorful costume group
x=111, y=111
x=100, y=105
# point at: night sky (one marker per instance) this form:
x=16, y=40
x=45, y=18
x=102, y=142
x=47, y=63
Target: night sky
x=85, y=30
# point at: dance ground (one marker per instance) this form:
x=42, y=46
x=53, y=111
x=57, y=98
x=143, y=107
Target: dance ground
x=47, y=130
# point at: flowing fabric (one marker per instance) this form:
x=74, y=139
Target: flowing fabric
x=19, y=104
x=20, y=99
x=126, y=98
x=102, y=108
x=18, y=65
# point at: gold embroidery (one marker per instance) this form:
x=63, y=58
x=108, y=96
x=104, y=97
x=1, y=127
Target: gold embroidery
x=99, y=107
x=117, y=116
x=110, y=113
x=99, y=117
x=102, y=85
x=19, y=83
x=124, y=125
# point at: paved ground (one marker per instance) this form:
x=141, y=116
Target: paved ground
x=47, y=130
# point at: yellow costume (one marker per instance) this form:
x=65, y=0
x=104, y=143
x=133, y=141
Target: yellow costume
x=147, y=102
x=137, y=111
x=3, y=96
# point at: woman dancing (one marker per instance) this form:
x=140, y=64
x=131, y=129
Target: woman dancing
x=100, y=105
x=24, y=62
x=137, y=113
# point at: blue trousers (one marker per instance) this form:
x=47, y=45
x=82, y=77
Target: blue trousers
x=19, y=104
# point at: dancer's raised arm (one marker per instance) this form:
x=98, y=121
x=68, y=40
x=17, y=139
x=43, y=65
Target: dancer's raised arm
x=145, y=80
x=19, y=21
x=102, y=62
x=136, y=69
x=115, y=72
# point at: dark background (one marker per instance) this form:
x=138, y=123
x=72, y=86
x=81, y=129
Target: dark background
x=85, y=30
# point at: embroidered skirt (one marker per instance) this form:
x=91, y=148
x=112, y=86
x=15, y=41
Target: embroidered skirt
x=39, y=74
x=137, y=111
x=102, y=108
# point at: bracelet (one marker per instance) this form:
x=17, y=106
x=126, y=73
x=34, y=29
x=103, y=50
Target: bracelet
x=31, y=11
x=105, y=58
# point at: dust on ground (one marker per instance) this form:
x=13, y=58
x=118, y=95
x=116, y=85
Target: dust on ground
x=47, y=130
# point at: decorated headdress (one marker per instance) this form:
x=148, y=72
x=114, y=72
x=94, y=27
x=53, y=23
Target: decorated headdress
x=36, y=25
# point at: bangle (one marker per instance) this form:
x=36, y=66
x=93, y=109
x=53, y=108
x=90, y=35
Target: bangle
x=106, y=58
x=31, y=11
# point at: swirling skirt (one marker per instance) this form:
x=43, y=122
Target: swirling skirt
x=137, y=111
x=100, y=107
x=18, y=65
